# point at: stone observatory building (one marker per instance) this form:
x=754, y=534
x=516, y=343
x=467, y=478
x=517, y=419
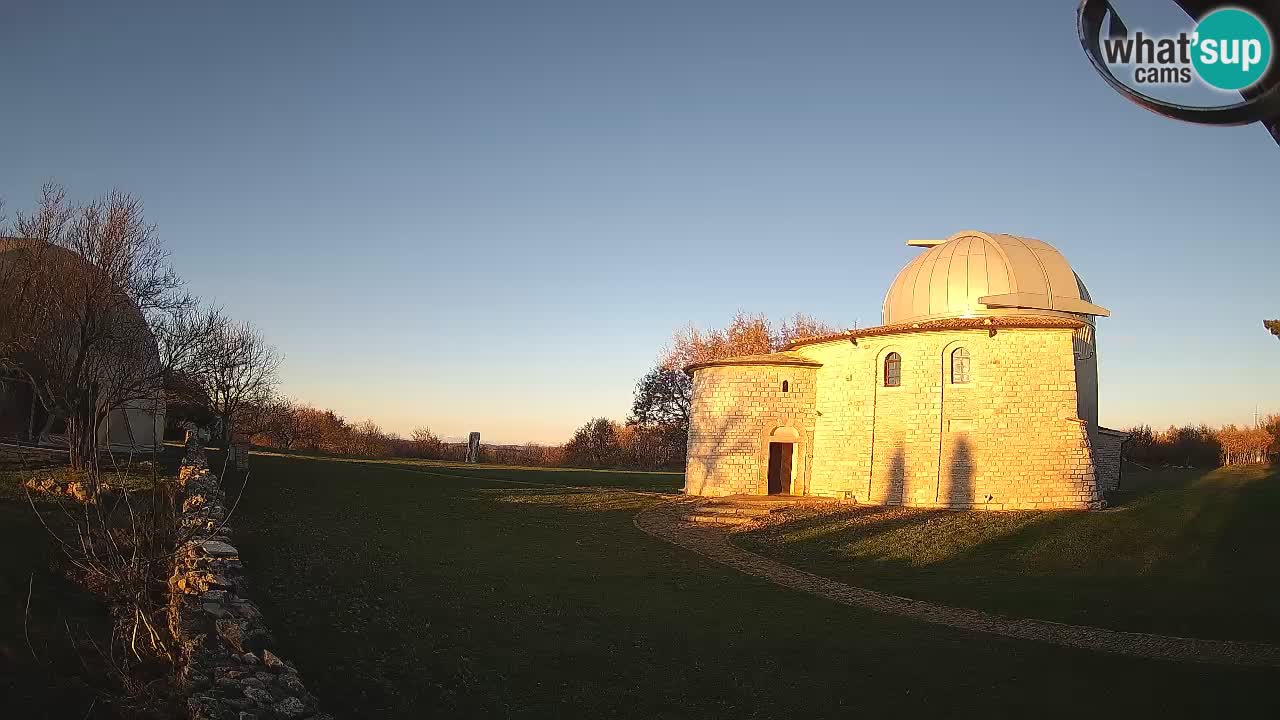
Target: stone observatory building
x=979, y=390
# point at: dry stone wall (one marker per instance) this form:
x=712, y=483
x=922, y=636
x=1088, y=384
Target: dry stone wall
x=227, y=669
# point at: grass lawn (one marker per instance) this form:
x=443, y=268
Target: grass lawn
x=1188, y=553
x=45, y=678
x=413, y=589
x=644, y=481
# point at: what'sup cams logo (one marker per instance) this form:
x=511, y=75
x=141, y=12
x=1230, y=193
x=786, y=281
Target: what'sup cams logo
x=1229, y=48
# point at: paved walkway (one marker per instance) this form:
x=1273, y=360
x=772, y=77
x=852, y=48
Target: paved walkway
x=664, y=521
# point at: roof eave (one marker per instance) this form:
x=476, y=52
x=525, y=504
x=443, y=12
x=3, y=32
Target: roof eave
x=994, y=322
x=745, y=360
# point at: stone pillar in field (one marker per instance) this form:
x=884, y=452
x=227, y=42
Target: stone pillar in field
x=473, y=448
x=238, y=454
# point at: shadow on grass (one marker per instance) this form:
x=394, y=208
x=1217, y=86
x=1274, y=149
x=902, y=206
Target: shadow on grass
x=838, y=527
x=1192, y=553
x=576, y=500
x=660, y=482
x=1247, y=540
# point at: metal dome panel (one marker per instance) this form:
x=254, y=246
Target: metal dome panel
x=974, y=273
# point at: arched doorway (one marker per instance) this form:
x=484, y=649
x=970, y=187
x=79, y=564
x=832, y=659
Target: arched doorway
x=782, y=460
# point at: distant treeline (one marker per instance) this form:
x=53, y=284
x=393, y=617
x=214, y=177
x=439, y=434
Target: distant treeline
x=288, y=425
x=600, y=443
x=1203, y=446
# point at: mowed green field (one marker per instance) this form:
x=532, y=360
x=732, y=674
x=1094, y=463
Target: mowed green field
x=1186, y=552
x=420, y=589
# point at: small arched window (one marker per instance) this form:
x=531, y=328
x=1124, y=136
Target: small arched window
x=960, y=366
x=892, y=370
x=786, y=386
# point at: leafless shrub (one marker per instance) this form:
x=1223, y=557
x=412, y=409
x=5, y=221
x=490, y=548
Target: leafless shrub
x=425, y=443
x=120, y=542
x=746, y=334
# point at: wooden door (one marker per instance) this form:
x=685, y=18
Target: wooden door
x=780, y=468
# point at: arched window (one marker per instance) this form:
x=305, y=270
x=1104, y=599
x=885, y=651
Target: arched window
x=786, y=386
x=892, y=370
x=959, y=366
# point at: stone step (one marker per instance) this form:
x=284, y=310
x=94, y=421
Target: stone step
x=774, y=501
x=717, y=519
x=744, y=510
x=749, y=505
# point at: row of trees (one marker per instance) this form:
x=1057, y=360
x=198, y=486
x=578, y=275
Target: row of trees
x=284, y=424
x=95, y=318
x=1204, y=446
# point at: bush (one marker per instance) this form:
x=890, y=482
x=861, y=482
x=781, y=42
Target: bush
x=595, y=445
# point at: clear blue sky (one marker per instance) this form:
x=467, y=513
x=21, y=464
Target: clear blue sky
x=490, y=215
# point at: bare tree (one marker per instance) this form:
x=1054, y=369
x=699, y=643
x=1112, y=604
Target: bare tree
x=11, y=295
x=183, y=338
x=425, y=442
x=801, y=326
x=92, y=281
x=237, y=369
x=368, y=439
x=280, y=424
x=746, y=334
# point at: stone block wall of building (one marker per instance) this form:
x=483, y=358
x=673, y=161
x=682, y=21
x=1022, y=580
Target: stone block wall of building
x=734, y=412
x=1009, y=438
x=1107, y=457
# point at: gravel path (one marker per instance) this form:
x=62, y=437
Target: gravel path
x=664, y=521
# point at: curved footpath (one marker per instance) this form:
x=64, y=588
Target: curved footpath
x=664, y=522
